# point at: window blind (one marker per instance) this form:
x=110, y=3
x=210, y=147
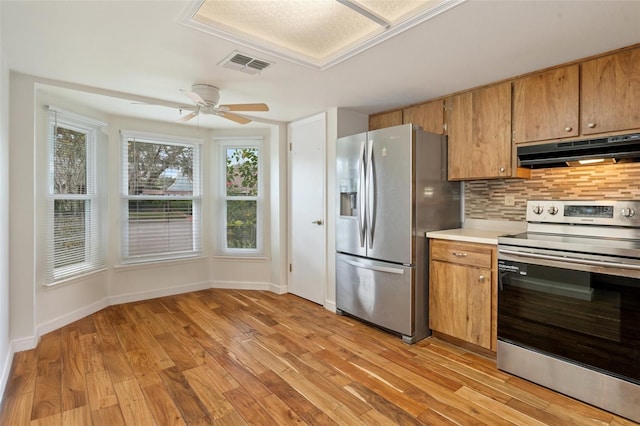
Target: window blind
x=161, y=211
x=75, y=242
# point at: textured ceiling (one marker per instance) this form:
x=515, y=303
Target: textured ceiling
x=127, y=50
x=317, y=33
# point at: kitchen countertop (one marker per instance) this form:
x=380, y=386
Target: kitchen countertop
x=480, y=231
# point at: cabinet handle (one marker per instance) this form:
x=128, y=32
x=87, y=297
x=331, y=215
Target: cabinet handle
x=568, y=129
x=591, y=125
x=458, y=254
x=501, y=169
x=481, y=278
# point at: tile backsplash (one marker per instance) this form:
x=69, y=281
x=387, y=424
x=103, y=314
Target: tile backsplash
x=485, y=199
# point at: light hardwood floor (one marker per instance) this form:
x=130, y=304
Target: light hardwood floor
x=252, y=357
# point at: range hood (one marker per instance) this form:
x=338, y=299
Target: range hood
x=563, y=154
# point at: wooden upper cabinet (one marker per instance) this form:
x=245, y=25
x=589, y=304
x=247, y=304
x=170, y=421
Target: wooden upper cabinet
x=546, y=105
x=429, y=116
x=610, y=97
x=386, y=119
x=480, y=133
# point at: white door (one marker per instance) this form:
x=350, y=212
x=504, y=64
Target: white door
x=307, y=230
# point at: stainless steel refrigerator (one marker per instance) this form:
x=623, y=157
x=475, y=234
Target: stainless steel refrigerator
x=392, y=188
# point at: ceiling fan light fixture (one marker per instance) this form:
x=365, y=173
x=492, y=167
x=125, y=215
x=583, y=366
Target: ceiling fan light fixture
x=210, y=94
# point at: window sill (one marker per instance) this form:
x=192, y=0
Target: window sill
x=144, y=264
x=236, y=258
x=71, y=280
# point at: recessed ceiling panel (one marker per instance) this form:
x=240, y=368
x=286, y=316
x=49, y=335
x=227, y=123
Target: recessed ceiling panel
x=317, y=33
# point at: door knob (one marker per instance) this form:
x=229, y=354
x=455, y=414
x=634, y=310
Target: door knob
x=317, y=222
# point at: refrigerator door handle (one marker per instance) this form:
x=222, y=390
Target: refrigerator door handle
x=361, y=194
x=374, y=268
x=371, y=195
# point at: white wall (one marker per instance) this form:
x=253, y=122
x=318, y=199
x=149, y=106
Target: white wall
x=78, y=297
x=340, y=122
x=5, y=346
x=279, y=203
x=135, y=282
x=22, y=211
x=254, y=273
x=36, y=309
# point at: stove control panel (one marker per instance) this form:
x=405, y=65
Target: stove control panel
x=615, y=213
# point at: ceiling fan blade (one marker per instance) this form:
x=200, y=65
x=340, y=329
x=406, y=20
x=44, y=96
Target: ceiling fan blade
x=234, y=117
x=187, y=117
x=194, y=97
x=245, y=107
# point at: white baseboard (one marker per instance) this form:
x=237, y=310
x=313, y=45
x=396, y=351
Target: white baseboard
x=278, y=289
x=241, y=285
x=67, y=319
x=5, y=370
x=152, y=294
x=24, y=344
x=330, y=305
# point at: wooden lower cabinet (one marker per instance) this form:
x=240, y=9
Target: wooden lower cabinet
x=462, y=291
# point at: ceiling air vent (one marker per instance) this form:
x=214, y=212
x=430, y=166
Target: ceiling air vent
x=244, y=63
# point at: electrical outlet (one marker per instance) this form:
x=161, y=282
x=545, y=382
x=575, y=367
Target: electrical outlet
x=509, y=200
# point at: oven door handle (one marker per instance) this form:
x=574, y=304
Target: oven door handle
x=570, y=260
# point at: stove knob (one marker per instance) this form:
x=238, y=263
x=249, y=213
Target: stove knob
x=538, y=209
x=627, y=212
x=553, y=210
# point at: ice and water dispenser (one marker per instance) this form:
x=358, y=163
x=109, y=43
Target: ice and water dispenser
x=348, y=197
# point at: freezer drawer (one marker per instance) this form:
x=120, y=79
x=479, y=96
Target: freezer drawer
x=377, y=292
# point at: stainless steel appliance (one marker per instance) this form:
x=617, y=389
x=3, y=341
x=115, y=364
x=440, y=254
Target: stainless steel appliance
x=569, y=301
x=621, y=148
x=392, y=188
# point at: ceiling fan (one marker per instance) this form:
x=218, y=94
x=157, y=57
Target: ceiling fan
x=206, y=98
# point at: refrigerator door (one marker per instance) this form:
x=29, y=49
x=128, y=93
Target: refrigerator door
x=390, y=214
x=377, y=292
x=350, y=179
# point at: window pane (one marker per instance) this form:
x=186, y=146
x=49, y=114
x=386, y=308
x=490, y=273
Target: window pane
x=69, y=232
x=242, y=224
x=242, y=171
x=160, y=169
x=70, y=164
x=160, y=226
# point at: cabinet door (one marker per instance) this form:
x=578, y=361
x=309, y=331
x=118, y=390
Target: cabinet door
x=545, y=105
x=610, y=96
x=429, y=116
x=480, y=133
x=460, y=302
x=387, y=119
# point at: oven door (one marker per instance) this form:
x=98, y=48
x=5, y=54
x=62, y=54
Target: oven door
x=581, y=308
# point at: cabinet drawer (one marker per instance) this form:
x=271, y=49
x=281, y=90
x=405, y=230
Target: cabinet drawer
x=468, y=254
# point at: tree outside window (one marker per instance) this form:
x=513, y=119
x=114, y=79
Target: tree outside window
x=75, y=243
x=69, y=177
x=162, y=199
x=242, y=197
